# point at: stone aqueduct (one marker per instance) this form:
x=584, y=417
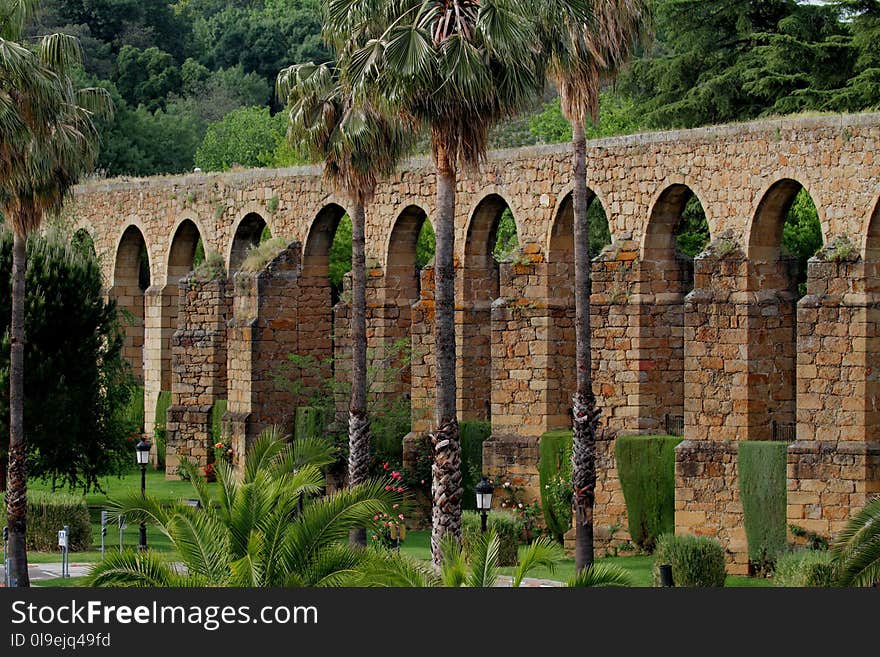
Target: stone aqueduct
x=726, y=344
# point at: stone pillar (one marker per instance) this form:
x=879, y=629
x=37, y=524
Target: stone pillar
x=717, y=405
x=614, y=334
x=199, y=362
x=422, y=369
x=834, y=466
x=268, y=324
x=160, y=311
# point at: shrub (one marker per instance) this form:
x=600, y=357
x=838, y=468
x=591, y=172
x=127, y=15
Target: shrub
x=473, y=434
x=811, y=568
x=697, y=561
x=162, y=404
x=762, y=489
x=646, y=468
x=506, y=526
x=554, y=468
x=211, y=268
x=217, y=413
x=260, y=256
x=47, y=515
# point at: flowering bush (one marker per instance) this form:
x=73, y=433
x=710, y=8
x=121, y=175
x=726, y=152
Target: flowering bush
x=222, y=452
x=210, y=474
x=529, y=515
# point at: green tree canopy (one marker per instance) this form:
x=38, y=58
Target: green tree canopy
x=75, y=374
x=246, y=137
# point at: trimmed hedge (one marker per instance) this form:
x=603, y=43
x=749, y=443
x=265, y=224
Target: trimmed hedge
x=697, y=561
x=505, y=525
x=133, y=413
x=217, y=413
x=308, y=422
x=646, y=468
x=762, y=489
x=162, y=404
x=554, y=468
x=473, y=434
x=47, y=515
x=810, y=568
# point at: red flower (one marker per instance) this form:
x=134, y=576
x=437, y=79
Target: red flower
x=387, y=487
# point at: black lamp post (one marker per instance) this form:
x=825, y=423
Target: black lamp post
x=484, y=492
x=142, y=449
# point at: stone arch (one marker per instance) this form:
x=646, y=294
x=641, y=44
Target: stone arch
x=246, y=235
x=561, y=298
x=316, y=251
x=401, y=268
x=771, y=341
x=872, y=236
x=659, y=240
x=181, y=253
x=667, y=275
x=129, y=285
x=560, y=238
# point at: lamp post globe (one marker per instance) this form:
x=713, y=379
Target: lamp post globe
x=142, y=450
x=484, y=491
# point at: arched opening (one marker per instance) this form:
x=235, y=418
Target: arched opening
x=677, y=231
x=491, y=237
x=252, y=230
x=182, y=256
x=131, y=278
x=82, y=241
x=872, y=240
x=317, y=297
x=561, y=333
x=785, y=233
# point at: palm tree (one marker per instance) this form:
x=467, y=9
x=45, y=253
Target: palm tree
x=48, y=142
x=856, y=551
x=582, y=55
x=456, y=68
x=357, y=144
x=266, y=531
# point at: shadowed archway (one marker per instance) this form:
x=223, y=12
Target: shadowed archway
x=131, y=278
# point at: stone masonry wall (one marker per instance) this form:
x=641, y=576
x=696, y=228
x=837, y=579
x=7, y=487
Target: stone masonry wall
x=199, y=361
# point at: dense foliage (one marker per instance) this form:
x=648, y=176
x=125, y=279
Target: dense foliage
x=77, y=380
x=762, y=489
x=646, y=467
x=174, y=68
x=697, y=561
x=49, y=512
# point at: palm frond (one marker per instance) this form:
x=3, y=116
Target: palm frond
x=134, y=569
x=543, y=551
x=453, y=567
x=484, y=561
x=389, y=568
x=856, y=550
x=601, y=575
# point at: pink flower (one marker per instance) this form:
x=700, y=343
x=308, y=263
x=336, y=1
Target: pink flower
x=520, y=505
x=503, y=504
x=384, y=466
x=400, y=489
x=423, y=482
x=375, y=517
x=395, y=506
x=387, y=487
x=400, y=515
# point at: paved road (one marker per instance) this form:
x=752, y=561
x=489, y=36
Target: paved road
x=44, y=571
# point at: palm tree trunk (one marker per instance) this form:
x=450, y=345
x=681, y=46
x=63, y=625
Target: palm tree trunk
x=446, y=470
x=584, y=411
x=358, y=422
x=16, y=480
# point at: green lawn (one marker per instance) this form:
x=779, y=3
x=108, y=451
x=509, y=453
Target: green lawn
x=156, y=485
x=418, y=545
